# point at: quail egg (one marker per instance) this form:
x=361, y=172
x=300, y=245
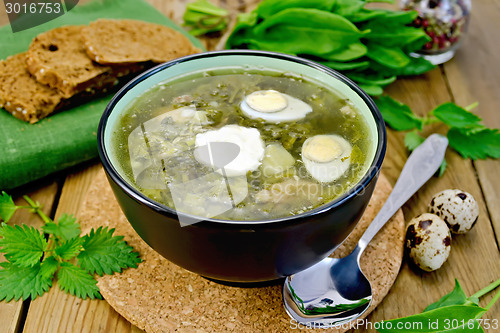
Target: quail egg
x=428, y=241
x=182, y=115
x=457, y=208
x=248, y=140
x=274, y=107
x=326, y=157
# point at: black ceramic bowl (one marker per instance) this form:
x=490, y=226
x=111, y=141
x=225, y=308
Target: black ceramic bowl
x=244, y=251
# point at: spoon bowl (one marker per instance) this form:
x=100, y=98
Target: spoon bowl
x=336, y=291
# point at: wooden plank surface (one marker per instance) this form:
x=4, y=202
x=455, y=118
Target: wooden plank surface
x=472, y=76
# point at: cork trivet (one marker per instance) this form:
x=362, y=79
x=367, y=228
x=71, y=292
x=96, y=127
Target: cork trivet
x=159, y=296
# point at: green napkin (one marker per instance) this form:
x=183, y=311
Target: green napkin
x=29, y=152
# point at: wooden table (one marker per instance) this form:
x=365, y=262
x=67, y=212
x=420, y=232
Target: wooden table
x=473, y=75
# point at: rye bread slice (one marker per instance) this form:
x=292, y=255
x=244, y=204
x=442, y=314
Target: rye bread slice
x=58, y=58
x=22, y=95
x=110, y=41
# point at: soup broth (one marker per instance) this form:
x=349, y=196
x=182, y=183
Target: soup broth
x=242, y=145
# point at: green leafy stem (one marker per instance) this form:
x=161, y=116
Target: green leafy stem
x=204, y=17
x=454, y=312
x=466, y=134
x=35, y=258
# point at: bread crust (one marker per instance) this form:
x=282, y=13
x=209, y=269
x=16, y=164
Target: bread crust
x=58, y=59
x=109, y=41
x=22, y=95
x=29, y=100
x=59, y=68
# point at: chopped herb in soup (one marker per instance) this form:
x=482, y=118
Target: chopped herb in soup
x=242, y=145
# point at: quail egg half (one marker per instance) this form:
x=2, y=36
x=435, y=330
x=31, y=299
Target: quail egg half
x=274, y=107
x=326, y=157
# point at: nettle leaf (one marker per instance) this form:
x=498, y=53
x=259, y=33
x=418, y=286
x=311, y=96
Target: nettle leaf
x=475, y=143
x=49, y=267
x=23, y=282
x=105, y=253
x=77, y=281
x=413, y=140
x=437, y=320
x=23, y=246
x=7, y=206
x=398, y=115
x=455, y=116
x=65, y=229
x=70, y=248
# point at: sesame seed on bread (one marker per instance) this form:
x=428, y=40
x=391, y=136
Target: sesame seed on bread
x=110, y=41
x=22, y=95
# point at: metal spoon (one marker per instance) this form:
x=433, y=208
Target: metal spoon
x=335, y=291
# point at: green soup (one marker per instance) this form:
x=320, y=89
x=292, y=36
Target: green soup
x=165, y=144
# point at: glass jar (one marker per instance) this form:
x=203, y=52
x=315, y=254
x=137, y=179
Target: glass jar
x=444, y=21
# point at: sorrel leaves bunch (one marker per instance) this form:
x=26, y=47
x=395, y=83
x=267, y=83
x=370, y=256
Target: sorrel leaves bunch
x=454, y=312
x=370, y=46
x=466, y=134
x=36, y=257
x=204, y=17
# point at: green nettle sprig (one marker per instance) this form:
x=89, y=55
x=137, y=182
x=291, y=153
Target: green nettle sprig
x=454, y=312
x=466, y=135
x=34, y=258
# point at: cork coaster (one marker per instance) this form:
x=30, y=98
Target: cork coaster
x=159, y=296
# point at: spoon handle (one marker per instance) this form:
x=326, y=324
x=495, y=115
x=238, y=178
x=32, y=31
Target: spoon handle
x=420, y=166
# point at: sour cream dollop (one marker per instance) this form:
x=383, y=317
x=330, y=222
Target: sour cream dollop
x=251, y=149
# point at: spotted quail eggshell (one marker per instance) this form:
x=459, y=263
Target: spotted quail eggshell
x=457, y=208
x=428, y=240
